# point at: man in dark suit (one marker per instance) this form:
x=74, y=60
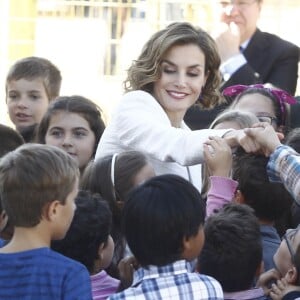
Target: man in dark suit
x=248, y=56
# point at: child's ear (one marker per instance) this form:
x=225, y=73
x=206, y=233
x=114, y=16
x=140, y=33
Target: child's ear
x=100, y=250
x=105, y=253
x=51, y=210
x=193, y=245
x=239, y=197
x=98, y=266
x=3, y=220
x=291, y=275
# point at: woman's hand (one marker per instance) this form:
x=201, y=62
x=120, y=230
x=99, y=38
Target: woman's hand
x=235, y=138
x=261, y=138
x=265, y=137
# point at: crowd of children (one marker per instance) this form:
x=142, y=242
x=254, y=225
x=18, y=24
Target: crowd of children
x=130, y=222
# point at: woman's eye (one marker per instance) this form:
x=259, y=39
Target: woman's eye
x=168, y=71
x=192, y=74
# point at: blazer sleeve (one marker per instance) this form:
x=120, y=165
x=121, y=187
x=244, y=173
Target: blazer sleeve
x=140, y=123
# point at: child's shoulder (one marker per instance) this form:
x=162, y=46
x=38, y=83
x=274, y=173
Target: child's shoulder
x=43, y=269
x=42, y=256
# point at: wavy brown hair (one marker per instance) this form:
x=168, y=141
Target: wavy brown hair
x=146, y=70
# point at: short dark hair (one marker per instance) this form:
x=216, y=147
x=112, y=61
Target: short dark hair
x=293, y=139
x=232, y=251
x=268, y=199
x=33, y=67
x=32, y=176
x=158, y=215
x=10, y=139
x=90, y=228
x=74, y=104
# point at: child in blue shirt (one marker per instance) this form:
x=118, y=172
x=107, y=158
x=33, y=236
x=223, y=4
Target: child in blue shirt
x=38, y=184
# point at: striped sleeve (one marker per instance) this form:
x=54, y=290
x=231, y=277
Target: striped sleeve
x=284, y=166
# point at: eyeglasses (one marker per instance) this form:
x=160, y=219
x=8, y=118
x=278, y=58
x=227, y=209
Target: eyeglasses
x=289, y=235
x=267, y=119
x=241, y=4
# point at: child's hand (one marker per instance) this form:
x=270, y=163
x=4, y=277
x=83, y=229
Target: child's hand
x=265, y=280
x=126, y=267
x=281, y=288
x=218, y=157
x=278, y=289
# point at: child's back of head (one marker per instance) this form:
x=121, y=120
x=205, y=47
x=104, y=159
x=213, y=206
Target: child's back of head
x=158, y=216
x=89, y=232
x=10, y=139
x=33, y=176
x=163, y=224
x=232, y=251
x=88, y=241
x=268, y=199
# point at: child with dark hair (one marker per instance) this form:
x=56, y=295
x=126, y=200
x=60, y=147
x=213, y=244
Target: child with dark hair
x=270, y=200
x=88, y=241
x=113, y=177
x=163, y=225
x=10, y=140
x=74, y=124
x=31, y=83
x=38, y=185
x=251, y=186
x=232, y=252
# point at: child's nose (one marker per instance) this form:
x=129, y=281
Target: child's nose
x=22, y=102
x=67, y=141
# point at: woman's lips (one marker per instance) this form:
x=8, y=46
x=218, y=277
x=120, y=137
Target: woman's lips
x=177, y=95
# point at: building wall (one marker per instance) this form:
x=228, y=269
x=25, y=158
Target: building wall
x=94, y=41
